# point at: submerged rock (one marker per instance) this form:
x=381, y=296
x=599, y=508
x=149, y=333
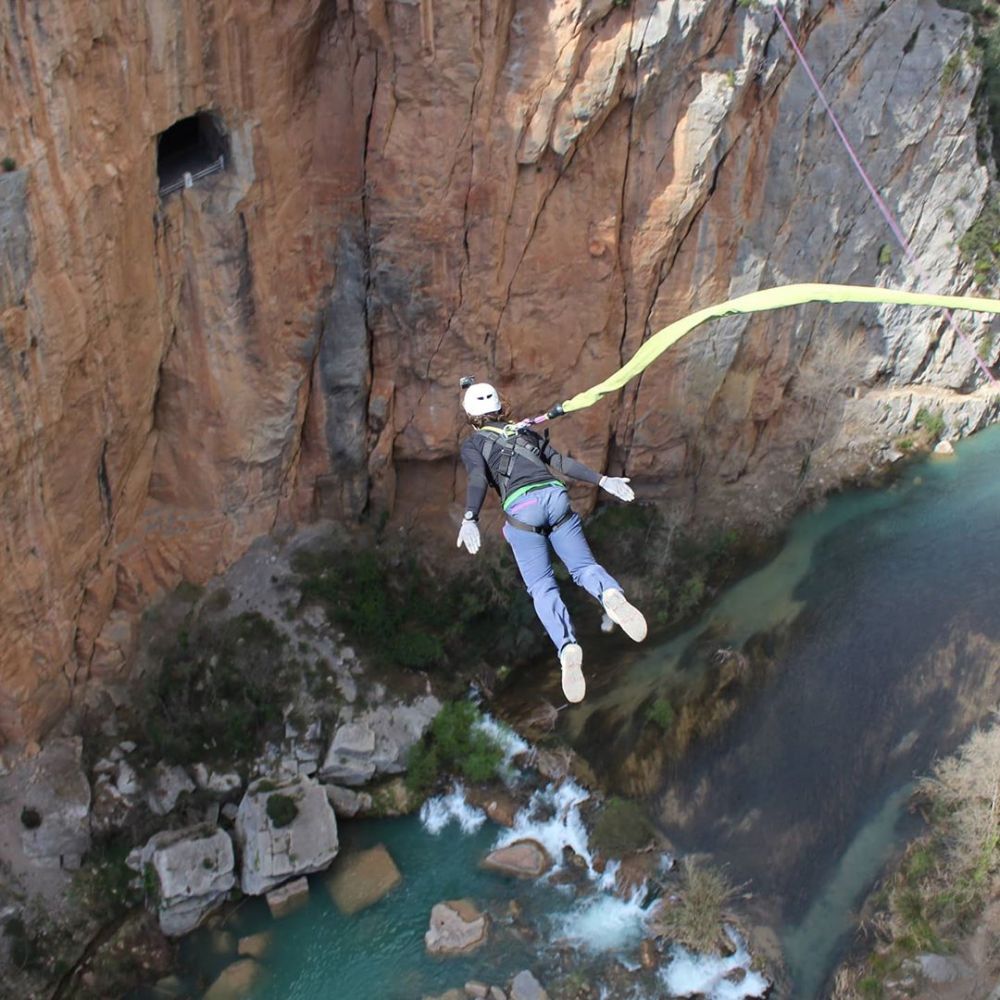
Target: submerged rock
x=275, y=850
x=526, y=987
x=255, y=945
x=236, y=981
x=457, y=928
x=361, y=879
x=522, y=859
x=288, y=898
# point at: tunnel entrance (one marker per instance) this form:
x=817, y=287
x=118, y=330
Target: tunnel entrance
x=190, y=149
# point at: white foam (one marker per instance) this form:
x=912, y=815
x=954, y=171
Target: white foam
x=509, y=742
x=689, y=974
x=438, y=812
x=603, y=923
x=552, y=817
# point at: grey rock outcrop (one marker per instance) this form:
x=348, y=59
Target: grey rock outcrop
x=346, y=802
x=195, y=869
x=58, y=797
x=377, y=742
x=167, y=785
x=221, y=783
x=272, y=854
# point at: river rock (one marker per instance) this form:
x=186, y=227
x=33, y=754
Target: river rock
x=288, y=898
x=255, y=945
x=944, y=448
x=58, y=793
x=522, y=859
x=346, y=802
x=361, y=879
x=498, y=804
x=497, y=994
x=168, y=784
x=525, y=986
x=195, y=869
x=476, y=990
x=457, y=927
x=236, y=981
x=272, y=854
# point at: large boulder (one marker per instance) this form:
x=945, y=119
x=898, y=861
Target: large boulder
x=522, y=859
x=55, y=828
x=457, y=928
x=361, y=879
x=167, y=785
x=377, y=742
x=295, y=836
x=195, y=869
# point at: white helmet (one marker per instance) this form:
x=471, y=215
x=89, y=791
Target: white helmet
x=480, y=399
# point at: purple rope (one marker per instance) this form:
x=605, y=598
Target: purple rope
x=882, y=207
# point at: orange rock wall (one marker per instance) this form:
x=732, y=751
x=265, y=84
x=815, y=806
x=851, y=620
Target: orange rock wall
x=419, y=189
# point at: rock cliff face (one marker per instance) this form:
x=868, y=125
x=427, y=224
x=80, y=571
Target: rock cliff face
x=415, y=190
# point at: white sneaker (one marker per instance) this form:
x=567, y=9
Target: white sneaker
x=625, y=615
x=573, y=684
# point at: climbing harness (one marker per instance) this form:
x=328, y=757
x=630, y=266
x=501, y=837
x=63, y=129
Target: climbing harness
x=506, y=439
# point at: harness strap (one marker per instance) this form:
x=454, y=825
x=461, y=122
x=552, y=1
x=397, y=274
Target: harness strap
x=541, y=529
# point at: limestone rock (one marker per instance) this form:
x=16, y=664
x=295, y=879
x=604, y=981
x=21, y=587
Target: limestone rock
x=944, y=448
x=220, y=783
x=361, y=879
x=522, y=859
x=288, y=898
x=272, y=854
x=349, y=759
x=195, y=869
x=58, y=793
x=168, y=784
x=457, y=928
x=346, y=802
x=526, y=987
x=236, y=981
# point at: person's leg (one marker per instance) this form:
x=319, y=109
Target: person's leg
x=531, y=552
x=571, y=546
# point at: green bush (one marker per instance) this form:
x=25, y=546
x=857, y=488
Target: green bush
x=30, y=818
x=453, y=745
x=621, y=827
x=9, y=164
x=933, y=423
x=103, y=886
x=281, y=809
x=661, y=713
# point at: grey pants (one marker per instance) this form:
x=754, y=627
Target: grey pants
x=545, y=506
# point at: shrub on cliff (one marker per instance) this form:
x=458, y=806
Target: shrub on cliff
x=218, y=692
x=695, y=918
x=453, y=745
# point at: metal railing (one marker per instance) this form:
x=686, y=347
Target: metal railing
x=188, y=179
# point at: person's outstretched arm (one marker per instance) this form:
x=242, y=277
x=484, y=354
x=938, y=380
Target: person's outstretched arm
x=475, y=493
x=615, y=485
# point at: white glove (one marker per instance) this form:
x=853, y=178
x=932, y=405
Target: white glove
x=617, y=487
x=468, y=535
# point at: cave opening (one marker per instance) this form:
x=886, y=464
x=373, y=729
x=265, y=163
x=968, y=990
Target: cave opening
x=190, y=149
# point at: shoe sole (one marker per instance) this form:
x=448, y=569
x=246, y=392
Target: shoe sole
x=626, y=616
x=573, y=684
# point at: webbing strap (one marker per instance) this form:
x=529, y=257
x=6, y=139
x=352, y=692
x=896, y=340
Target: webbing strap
x=539, y=529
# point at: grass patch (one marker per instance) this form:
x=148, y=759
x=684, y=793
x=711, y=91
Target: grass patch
x=621, y=827
x=932, y=423
x=453, y=745
x=696, y=919
x=103, y=887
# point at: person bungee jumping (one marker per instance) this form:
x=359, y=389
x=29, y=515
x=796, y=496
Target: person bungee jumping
x=518, y=464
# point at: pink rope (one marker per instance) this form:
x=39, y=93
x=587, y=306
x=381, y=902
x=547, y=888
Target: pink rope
x=879, y=201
